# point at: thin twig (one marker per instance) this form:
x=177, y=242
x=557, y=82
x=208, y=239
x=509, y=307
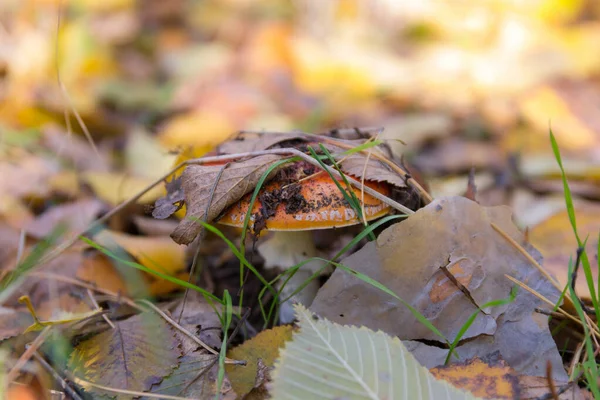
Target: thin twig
x=84, y=382
x=544, y=299
x=95, y=303
x=522, y=250
x=585, y=308
x=62, y=278
x=66, y=95
x=187, y=333
x=59, y=379
x=212, y=363
x=550, y=380
x=39, y=340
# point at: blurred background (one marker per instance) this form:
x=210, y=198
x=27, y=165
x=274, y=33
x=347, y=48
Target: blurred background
x=457, y=85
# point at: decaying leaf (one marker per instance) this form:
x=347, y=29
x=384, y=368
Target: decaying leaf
x=264, y=346
x=234, y=181
x=409, y=257
x=173, y=201
x=327, y=360
x=196, y=375
x=200, y=318
x=138, y=353
x=488, y=377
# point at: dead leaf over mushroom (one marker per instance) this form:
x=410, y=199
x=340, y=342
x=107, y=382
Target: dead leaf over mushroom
x=209, y=189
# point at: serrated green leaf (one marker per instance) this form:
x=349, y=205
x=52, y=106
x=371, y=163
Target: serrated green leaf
x=326, y=360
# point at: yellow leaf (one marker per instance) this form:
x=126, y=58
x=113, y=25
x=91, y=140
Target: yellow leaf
x=265, y=346
x=318, y=72
x=66, y=183
x=490, y=377
x=114, y=188
x=570, y=131
x=555, y=239
x=202, y=131
x=558, y=11
x=157, y=253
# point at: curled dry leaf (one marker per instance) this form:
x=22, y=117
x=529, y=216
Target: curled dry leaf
x=375, y=170
x=353, y=164
x=452, y=234
x=230, y=183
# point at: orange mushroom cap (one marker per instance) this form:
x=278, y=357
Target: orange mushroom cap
x=314, y=203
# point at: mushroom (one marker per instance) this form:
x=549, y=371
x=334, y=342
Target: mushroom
x=301, y=199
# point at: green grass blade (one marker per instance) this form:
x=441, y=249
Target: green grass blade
x=348, y=193
x=361, y=147
x=585, y=263
x=259, y=186
x=240, y=256
x=366, y=232
x=372, y=282
x=463, y=329
x=141, y=267
x=32, y=260
x=226, y=323
x=590, y=367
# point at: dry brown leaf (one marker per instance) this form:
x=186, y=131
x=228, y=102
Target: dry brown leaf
x=354, y=164
x=536, y=387
x=247, y=142
x=196, y=375
x=408, y=257
x=235, y=181
x=375, y=170
x=459, y=155
x=487, y=378
x=200, y=318
x=139, y=352
x=75, y=217
x=76, y=149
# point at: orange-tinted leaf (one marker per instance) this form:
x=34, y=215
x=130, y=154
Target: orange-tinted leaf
x=264, y=346
x=555, y=239
x=487, y=378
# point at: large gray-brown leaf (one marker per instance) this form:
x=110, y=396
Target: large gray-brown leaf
x=234, y=182
x=138, y=353
x=408, y=258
